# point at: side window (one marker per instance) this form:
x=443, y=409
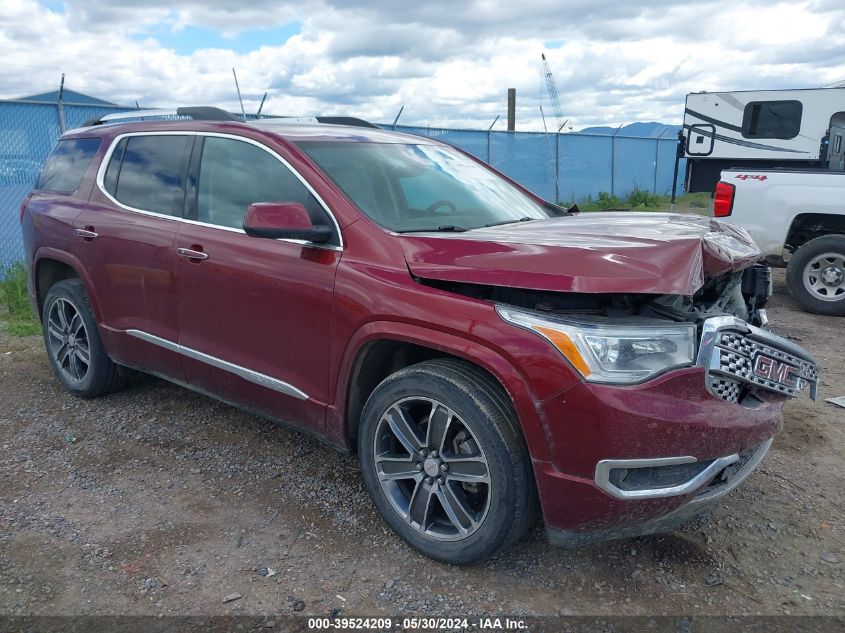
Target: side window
x=67, y=164
x=149, y=173
x=772, y=119
x=233, y=174
x=110, y=179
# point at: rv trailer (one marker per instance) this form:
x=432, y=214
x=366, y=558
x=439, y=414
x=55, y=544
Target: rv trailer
x=748, y=129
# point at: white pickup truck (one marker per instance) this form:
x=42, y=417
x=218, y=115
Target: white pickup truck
x=797, y=219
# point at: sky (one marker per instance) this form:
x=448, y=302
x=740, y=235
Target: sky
x=448, y=63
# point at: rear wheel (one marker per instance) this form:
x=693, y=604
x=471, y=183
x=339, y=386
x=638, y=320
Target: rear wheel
x=816, y=275
x=445, y=463
x=73, y=343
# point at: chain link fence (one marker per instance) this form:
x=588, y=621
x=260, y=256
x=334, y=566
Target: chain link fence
x=28, y=131
x=569, y=167
x=557, y=167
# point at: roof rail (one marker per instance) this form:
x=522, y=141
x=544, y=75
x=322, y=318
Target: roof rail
x=330, y=120
x=208, y=113
x=197, y=113
x=346, y=120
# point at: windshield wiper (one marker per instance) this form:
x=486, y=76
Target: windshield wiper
x=446, y=228
x=525, y=219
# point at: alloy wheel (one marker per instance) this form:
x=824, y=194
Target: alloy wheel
x=68, y=341
x=432, y=469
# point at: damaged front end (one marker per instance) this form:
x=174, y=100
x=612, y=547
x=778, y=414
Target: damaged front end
x=625, y=339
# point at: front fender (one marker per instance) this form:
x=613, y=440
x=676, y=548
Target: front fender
x=512, y=380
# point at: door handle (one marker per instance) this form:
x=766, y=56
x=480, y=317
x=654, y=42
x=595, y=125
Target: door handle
x=85, y=234
x=187, y=253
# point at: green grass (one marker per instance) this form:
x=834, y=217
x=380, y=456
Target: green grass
x=699, y=200
x=639, y=200
x=14, y=302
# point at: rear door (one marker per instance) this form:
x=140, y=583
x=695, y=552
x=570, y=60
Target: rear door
x=254, y=313
x=55, y=201
x=125, y=237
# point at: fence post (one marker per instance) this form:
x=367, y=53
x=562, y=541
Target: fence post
x=613, y=161
x=489, y=132
x=557, y=167
x=656, y=158
x=680, y=150
x=488, y=147
x=396, y=120
x=60, y=107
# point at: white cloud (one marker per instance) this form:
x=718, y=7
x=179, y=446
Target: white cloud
x=447, y=63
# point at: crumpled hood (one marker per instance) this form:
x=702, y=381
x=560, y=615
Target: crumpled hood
x=656, y=253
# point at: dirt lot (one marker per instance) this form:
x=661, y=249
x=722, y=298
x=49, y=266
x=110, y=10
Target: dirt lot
x=159, y=501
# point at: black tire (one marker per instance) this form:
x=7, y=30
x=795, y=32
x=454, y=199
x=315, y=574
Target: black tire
x=829, y=300
x=482, y=412
x=65, y=349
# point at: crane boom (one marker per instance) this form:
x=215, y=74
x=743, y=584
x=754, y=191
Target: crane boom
x=553, y=96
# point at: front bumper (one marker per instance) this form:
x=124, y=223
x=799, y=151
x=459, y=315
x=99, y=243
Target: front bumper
x=705, y=496
x=637, y=459
x=672, y=416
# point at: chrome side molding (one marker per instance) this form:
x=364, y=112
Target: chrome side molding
x=247, y=374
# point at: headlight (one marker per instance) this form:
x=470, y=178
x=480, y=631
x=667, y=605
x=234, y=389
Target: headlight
x=611, y=352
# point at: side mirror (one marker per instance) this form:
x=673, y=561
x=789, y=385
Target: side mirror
x=287, y=220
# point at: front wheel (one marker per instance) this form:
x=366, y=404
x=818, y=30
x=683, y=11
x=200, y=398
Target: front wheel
x=816, y=275
x=445, y=463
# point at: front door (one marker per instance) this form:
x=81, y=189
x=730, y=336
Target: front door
x=254, y=313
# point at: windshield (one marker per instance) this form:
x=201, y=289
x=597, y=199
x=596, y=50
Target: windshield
x=408, y=188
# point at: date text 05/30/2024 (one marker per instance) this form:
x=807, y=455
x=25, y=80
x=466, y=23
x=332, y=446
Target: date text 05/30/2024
x=413, y=624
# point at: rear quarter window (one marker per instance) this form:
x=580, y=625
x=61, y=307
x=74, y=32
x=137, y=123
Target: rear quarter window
x=67, y=164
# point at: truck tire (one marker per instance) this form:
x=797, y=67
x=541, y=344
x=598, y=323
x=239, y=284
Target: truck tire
x=445, y=462
x=74, y=348
x=816, y=275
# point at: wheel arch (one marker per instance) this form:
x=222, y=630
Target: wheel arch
x=51, y=266
x=379, y=349
x=808, y=226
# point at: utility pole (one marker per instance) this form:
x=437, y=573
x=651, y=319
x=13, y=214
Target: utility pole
x=511, y=109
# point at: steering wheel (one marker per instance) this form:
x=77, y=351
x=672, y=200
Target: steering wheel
x=440, y=203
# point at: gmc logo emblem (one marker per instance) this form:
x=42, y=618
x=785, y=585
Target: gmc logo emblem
x=776, y=371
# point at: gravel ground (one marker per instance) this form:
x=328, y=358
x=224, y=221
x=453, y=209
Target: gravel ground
x=156, y=500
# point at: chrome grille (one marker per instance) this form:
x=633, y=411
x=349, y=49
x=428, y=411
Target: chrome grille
x=729, y=350
x=725, y=388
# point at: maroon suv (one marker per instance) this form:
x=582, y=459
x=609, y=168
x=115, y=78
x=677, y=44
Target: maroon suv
x=487, y=354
